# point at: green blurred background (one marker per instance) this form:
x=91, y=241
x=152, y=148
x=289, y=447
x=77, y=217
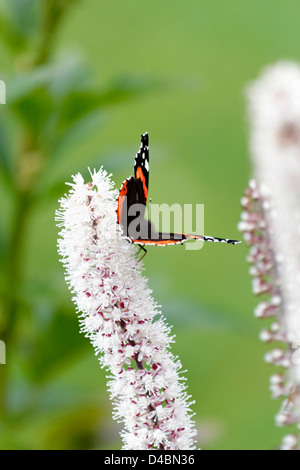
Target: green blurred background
x=84, y=79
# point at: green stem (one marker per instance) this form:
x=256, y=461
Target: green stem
x=11, y=299
x=14, y=265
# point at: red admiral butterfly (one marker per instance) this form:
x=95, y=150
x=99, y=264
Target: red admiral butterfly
x=134, y=190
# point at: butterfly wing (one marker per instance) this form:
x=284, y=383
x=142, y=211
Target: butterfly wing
x=125, y=199
x=161, y=239
x=165, y=239
x=134, y=190
x=141, y=169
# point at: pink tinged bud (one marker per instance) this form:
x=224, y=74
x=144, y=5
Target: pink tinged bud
x=274, y=356
x=277, y=391
x=245, y=201
x=284, y=419
x=277, y=387
x=275, y=327
x=278, y=358
x=266, y=336
x=275, y=301
x=260, y=286
x=270, y=335
x=246, y=226
x=265, y=310
x=276, y=379
x=289, y=442
x=253, y=186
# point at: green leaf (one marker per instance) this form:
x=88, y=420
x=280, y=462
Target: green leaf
x=36, y=96
x=19, y=21
x=83, y=101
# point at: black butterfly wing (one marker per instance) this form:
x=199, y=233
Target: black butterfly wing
x=141, y=169
x=134, y=190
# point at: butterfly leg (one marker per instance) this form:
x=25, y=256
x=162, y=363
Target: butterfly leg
x=145, y=252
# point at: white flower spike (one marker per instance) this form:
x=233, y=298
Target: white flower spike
x=117, y=314
x=271, y=226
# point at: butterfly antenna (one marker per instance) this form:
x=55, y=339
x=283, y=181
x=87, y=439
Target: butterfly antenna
x=220, y=240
